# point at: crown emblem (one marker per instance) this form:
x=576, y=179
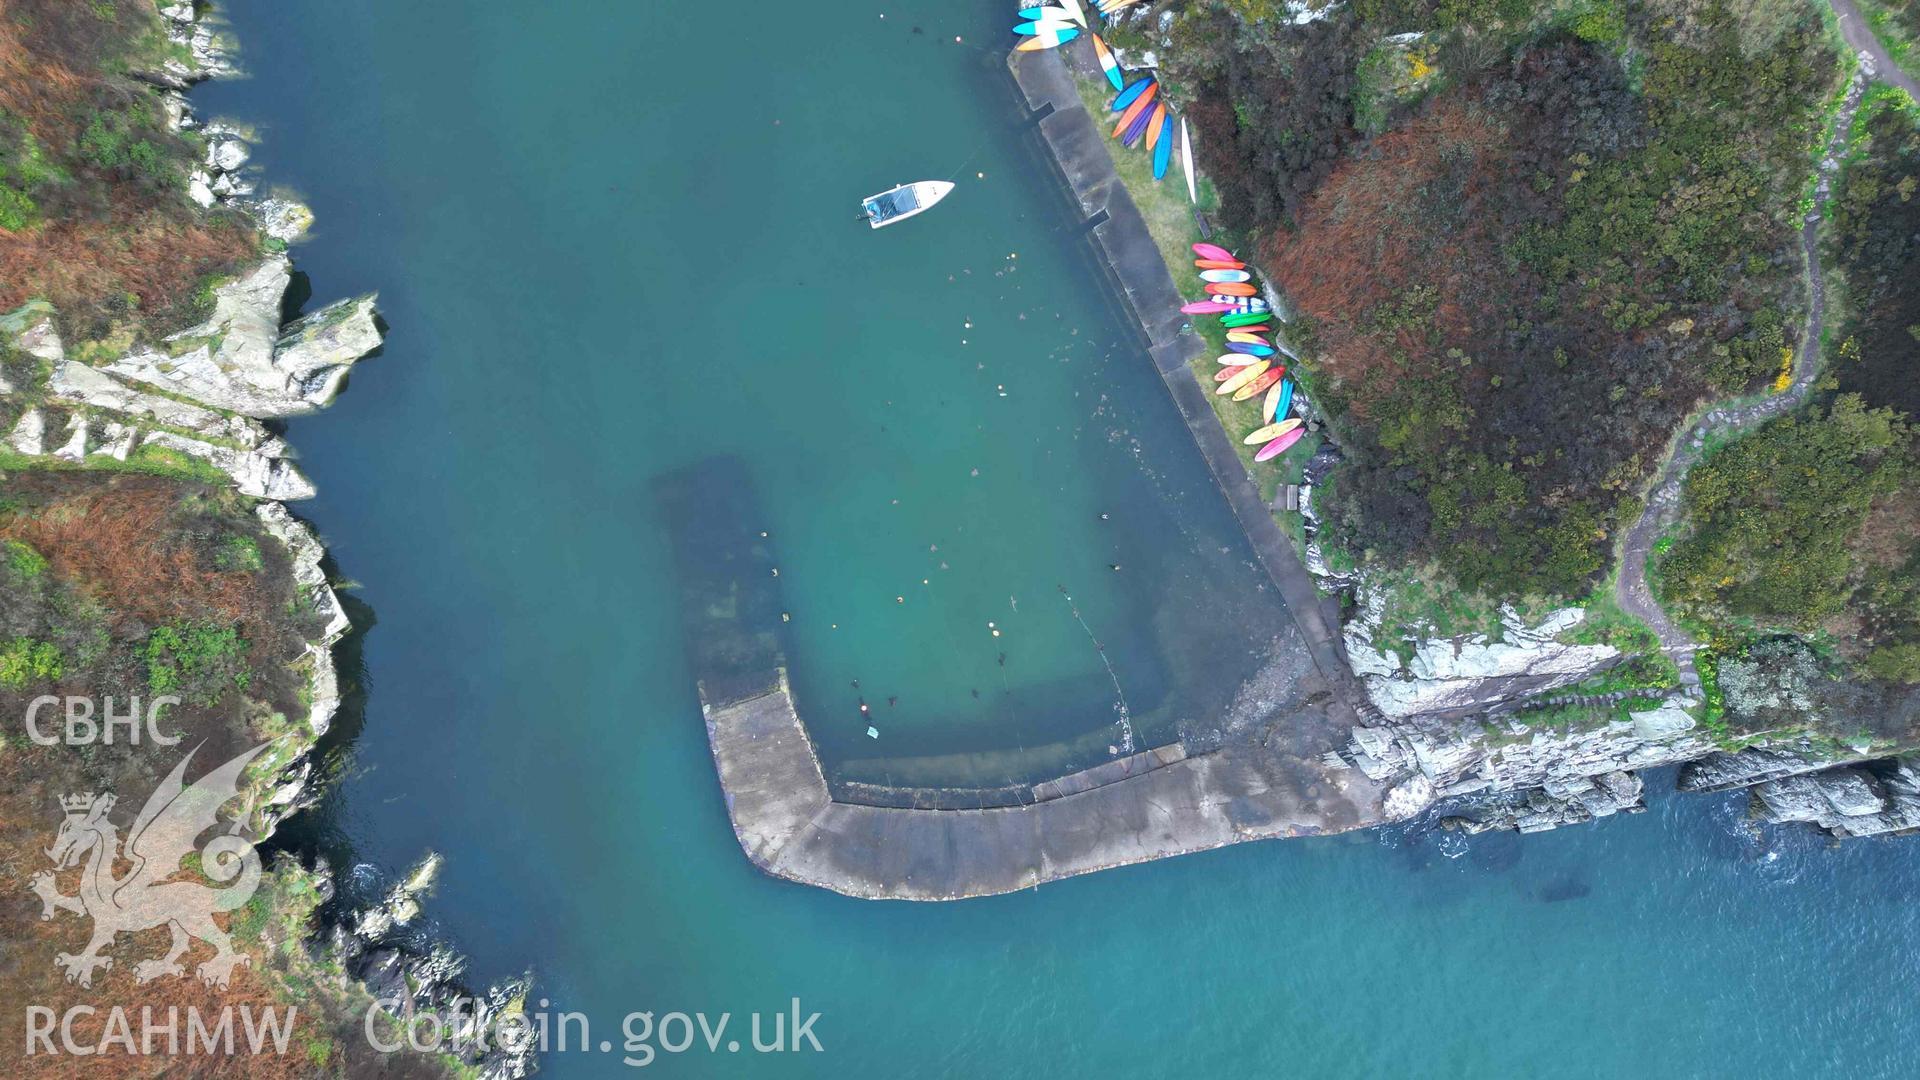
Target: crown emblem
x=76, y=804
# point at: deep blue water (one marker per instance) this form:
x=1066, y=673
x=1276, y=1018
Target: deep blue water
x=602, y=261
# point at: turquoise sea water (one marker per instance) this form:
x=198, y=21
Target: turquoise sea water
x=612, y=244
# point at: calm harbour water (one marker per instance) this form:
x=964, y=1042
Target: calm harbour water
x=611, y=244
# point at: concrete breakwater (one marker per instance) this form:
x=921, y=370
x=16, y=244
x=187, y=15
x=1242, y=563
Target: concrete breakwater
x=790, y=826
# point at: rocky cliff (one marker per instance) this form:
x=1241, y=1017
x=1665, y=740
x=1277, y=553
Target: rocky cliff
x=198, y=404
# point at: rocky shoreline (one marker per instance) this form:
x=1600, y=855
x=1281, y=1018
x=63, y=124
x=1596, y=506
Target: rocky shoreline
x=200, y=401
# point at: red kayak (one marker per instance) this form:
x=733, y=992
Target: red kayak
x=1226, y=373
x=1215, y=252
x=1256, y=328
x=1232, y=288
x=1219, y=264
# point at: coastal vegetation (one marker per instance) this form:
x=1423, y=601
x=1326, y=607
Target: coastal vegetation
x=93, y=211
x=1803, y=537
x=130, y=577
x=1518, y=289
x=1526, y=243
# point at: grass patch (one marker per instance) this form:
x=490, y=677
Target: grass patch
x=1170, y=221
x=196, y=661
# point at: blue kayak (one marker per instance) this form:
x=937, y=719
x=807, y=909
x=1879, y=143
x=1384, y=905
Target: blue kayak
x=1163, y=152
x=1249, y=348
x=1126, y=96
x=1286, y=402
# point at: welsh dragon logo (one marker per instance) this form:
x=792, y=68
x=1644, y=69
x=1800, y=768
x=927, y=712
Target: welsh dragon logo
x=157, y=849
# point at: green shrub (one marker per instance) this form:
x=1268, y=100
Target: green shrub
x=23, y=560
x=239, y=552
x=1895, y=663
x=24, y=660
x=197, y=661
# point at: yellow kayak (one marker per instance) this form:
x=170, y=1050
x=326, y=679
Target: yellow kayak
x=1271, y=432
x=1243, y=377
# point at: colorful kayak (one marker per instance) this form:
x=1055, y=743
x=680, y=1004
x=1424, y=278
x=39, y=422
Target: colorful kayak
x=1162, y=151
x=1220, y=264
x=1279, y=445
x=1136, y=110
x=1126, y=96
x=1047, y=41
x=1244, y=317
x=1186, y=160
x=1259, y=386
x=1075, y=12
x=1231, y=288
x=1279, y=400
x=1107, y=62
x=1250, y=350
x=1156, y=124
x=1206, y=307
x=1253, y=328
x=1225, y=275
x=1242, y=377
x=1049, y=13
x=1248, y=339
x=1237, y=359
x=1212, y=251
x=1138, y=127
x=1249, y=304
x=1271, y=432
x=1226, y=373
x=1035, y=29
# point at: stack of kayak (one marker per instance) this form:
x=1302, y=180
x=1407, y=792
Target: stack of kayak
x=1146, y=121
x=1249, y=369
x=1050, y=27
x=1143, y=120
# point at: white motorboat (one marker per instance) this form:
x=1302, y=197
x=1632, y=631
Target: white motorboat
x=901, y=203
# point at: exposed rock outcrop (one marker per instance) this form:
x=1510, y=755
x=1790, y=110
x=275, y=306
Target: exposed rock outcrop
x=1471, y=672
x=408, y=975
x=1509, y=775
x=1872, y=799
x=241, y=361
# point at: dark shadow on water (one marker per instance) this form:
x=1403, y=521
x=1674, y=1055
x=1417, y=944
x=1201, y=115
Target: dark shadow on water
x=1564, y=888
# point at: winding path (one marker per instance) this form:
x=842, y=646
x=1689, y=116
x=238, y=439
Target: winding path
x=1663, y=502
x=1859, y=34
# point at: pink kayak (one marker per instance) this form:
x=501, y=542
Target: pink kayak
x=1279, y=445
x=1214, y=252
x=1207, y=307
